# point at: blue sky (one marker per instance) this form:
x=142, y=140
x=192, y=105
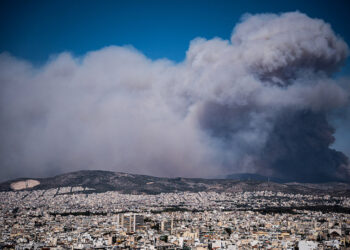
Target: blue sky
x=34, y=30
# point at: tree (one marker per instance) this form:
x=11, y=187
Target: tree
x=228, y=231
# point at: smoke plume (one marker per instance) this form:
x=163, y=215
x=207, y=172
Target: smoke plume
x=260, y=103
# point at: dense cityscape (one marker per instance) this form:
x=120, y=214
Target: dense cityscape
x=77, y=218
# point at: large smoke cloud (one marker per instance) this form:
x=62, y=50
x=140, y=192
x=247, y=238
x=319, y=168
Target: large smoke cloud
x=258, y=103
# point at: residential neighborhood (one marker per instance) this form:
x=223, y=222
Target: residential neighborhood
x=77, y=218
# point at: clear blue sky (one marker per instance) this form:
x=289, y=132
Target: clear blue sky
x=34, y=30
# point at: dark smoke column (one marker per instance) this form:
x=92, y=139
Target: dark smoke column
x=268, y=95
x=298, y=149
x=298, y=145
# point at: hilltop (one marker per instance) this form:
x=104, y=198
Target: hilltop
x=103, y=181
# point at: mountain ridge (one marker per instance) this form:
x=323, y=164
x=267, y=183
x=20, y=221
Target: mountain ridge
x=103, y=181
x=256, y=177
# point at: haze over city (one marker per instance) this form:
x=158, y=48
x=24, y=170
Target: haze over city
x=175, y=88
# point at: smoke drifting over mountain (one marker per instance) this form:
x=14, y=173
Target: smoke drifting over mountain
x=258, y=103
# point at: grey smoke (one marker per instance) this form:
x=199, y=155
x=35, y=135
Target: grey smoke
x=258, y=103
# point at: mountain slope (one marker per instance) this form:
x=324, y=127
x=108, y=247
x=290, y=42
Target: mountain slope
x=254, y=177
x=102, y=181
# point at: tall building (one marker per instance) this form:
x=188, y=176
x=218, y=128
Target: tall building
x=131, y=222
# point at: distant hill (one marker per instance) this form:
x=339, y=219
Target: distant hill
x=102, y=181
x=254, y=177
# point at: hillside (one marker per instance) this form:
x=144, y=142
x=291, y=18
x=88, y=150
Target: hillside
x=102, y=181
